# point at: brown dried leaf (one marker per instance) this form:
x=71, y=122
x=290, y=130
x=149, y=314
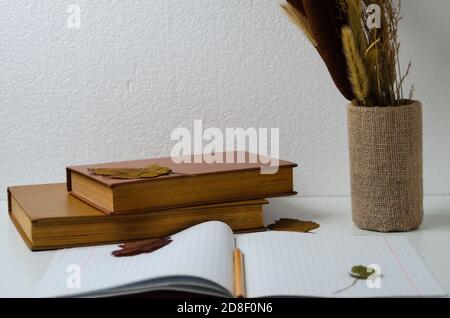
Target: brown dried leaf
x=293, y=225
x=151, y=171
x=140, y=247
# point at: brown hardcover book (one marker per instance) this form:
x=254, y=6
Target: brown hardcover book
x=47, y=217
x=189, y=184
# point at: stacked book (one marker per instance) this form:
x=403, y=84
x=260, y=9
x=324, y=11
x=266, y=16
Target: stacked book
x=93, y=208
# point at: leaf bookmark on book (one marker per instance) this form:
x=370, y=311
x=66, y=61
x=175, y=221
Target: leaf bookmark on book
x=293, y=225
x=151, y=171
x=140, y=247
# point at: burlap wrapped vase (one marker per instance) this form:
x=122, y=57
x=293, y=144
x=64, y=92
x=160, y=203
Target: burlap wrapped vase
x=386, y=166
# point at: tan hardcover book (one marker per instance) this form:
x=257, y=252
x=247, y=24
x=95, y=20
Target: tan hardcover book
x=189, y=184
x=47, y=217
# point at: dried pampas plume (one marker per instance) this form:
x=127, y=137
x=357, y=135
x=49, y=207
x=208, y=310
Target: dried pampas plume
x=356, y=70
x=356, y=22
x=362, y=60
x=299, y=20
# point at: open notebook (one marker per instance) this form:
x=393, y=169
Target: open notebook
x=200, y=260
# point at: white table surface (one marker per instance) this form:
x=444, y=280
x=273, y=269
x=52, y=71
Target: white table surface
x=21, y=269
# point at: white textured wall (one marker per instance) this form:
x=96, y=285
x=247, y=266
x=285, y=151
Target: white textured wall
x=116, y=88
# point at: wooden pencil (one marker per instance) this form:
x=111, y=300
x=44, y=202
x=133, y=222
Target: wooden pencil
x=239, y=282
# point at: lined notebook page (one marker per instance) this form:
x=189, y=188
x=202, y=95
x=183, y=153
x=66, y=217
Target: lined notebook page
x=203, y=251
x=295, y=264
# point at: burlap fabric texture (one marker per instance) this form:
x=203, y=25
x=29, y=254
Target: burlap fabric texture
x=386, y=166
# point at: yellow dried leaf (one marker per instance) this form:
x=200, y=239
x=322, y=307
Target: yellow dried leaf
x=152, y=171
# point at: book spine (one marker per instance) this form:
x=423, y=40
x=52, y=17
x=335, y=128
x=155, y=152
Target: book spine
x=69, y=179
x=9, y=201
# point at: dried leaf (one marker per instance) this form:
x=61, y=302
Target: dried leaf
x=361, y=272
x=358, y=272
x=325, y=20
x=293, y=225
x=298, y=5
x=140, y=247
x=152, y=171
